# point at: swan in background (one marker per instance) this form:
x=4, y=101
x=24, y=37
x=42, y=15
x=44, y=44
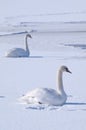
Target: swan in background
x=20, y=52
x=47, y=95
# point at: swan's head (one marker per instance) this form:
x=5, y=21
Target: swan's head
x=28, y=35
x=65, y=69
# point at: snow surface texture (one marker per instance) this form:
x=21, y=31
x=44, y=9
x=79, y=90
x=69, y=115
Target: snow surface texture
x=53, y=44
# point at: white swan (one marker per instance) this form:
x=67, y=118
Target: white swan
x=19, y=52
x=47, y=95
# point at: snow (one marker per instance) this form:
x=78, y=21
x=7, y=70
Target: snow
x=58, y=38
x=20, y=75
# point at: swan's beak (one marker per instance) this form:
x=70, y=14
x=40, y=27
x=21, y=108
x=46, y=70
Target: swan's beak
x=30, y=36
x=69, y=71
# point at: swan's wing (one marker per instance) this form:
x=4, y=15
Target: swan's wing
x=41, y=95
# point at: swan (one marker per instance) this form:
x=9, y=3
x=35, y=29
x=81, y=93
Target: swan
x=19, y=52
x=47, y=95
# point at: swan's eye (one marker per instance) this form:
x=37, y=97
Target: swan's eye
x=66, y=69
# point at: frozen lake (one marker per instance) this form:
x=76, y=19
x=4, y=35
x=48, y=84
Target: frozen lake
x=52, y=45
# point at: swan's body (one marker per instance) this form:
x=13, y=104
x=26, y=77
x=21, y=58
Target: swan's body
x=47, y=95
x=20, y=52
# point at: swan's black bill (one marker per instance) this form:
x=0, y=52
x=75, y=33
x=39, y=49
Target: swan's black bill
x=68, y=71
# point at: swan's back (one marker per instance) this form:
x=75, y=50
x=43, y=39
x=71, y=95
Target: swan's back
x=17, y=52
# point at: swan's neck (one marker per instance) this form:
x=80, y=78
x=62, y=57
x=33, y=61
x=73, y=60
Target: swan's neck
x=60, y=88
x=26, y=43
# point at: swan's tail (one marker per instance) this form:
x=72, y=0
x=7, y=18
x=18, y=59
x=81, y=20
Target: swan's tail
x=23, y=100
x=27, y=100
